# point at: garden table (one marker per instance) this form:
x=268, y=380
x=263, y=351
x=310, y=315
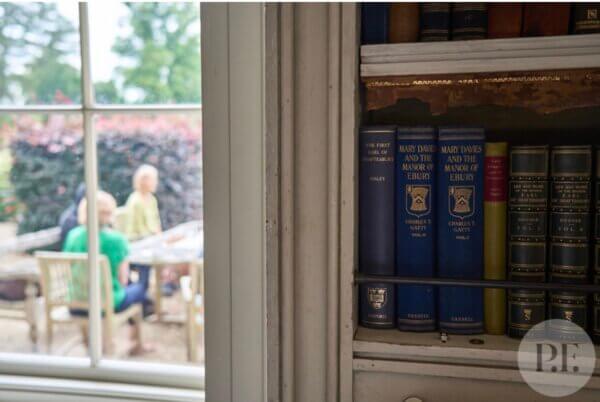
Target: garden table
x=180, y=245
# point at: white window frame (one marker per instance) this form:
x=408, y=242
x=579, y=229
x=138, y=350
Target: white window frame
x=95, y=367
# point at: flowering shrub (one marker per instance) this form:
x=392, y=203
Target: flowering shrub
x=48, y=164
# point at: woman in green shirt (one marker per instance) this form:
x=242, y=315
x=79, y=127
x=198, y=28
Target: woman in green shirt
x=115, y=247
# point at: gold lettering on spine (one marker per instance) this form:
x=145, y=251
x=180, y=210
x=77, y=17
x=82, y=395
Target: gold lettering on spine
x=461, y=166
x=417, y=164
x=378, y=152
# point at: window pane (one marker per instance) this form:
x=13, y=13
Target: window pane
x=151, y=165
x=145, y=52
x=39, y=48
x=41, y=167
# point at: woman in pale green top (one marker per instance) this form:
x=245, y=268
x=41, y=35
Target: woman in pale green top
x=142, y=216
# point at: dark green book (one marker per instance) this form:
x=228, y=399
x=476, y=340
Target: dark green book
x=435, y=22
x=596, y=313
x=571, y=170
x=586, y=18
x=570, y=219
x=595, y=332
x=469, y=21
x=527, y=233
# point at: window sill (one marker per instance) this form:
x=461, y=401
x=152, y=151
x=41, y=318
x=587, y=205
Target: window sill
x=25, y=388
x=126, y=373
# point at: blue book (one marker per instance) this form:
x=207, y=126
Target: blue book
x=376, y=223
x=415, y=230
x=374, y=23
x=460, y=227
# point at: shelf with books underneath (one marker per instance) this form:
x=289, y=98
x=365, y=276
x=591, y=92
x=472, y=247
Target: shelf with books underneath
x=481, y=56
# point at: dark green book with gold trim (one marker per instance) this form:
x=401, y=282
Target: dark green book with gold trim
x=570, y=228
x=527, y=233
x=595, y=331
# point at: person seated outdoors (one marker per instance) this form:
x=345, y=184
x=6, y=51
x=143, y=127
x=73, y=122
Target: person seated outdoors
x=115, y=247
x=68, y=218
x=142, y=217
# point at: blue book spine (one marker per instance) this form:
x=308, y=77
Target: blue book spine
x=415, y=230
x=376, y=223
x=460, y=227
x=374, y=23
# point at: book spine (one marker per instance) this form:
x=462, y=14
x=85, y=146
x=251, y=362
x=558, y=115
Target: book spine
x=596, y=272
x=494, y=237
x=546, y=19
x=568, y=306
x=435, y=22
x=460, y=227
x=376, y=223
x=504, y=20
x=469, y=21
x=596, y=313
x=586, y=18
x=415, y=234
x=571, y=169
x=374, y=23
x=404, y=22
x=527, y=233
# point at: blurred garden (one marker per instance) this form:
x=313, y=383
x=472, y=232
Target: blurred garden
x=41, y=164
x=151, y=56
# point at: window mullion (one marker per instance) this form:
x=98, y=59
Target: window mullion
x=91, y=180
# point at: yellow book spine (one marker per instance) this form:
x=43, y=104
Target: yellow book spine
x=494, y=237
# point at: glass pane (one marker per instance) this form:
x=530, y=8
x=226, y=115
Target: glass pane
x=151, y=165
x=145, y=52
x=41, y=168
x=40, y=58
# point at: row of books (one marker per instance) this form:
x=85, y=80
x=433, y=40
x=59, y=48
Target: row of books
x=444, y=203
x=426, y=22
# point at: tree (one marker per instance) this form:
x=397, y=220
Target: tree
x=162, y=53
x=107, y=92
x=37, y=39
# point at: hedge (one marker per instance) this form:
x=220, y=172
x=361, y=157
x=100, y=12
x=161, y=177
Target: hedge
x=48, y=166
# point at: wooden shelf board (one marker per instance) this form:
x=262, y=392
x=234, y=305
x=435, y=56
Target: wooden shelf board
x=496, y=350
x=481, y=56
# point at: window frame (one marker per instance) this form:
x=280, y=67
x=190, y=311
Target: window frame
x=95, y=367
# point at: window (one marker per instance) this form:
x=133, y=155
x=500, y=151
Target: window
x=81, y=105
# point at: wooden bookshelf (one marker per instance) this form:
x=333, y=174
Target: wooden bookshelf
x=545, y=87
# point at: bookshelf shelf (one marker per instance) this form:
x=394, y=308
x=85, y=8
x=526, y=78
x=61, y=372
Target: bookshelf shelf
x=481, y=56
x=390, y=344
x=482, y=283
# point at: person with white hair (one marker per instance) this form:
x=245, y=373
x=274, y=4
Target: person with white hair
x=115, y=247
x=142, y=217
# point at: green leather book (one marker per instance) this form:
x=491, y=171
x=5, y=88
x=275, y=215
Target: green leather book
x=494, y=234
x=570, y=200
x=596, y=313
x=571, y=190
x=595, y=332
x=586, y=18
x=527, y=232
